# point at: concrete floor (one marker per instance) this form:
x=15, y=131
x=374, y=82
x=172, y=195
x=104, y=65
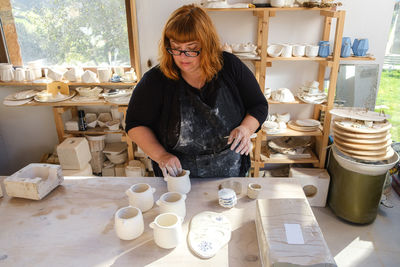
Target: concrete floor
x=375, y=244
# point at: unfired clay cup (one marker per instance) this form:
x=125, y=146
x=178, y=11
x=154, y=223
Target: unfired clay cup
x=180, y=183
x=167, y=230
x=172, y=202
x=253, y=190
x=141, y=196
x=128, y=223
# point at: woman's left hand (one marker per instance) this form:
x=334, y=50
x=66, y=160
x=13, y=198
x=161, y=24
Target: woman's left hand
x=240, y=136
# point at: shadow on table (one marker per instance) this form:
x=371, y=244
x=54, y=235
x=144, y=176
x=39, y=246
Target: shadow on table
x=243, y=246
x=142, y=255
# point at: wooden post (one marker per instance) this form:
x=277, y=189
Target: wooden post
x=131, y=17
x=332, y=84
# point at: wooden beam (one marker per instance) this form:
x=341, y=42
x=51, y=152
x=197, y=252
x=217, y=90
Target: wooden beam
x=332, y=14
x=10, y=33
x=131, y=17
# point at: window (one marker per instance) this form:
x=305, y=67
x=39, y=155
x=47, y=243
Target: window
x=389, y=93
x=72, y=32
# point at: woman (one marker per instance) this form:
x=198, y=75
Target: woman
x=199, y=107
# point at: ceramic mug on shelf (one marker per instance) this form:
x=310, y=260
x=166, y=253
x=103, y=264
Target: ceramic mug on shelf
x=172, y=202
x=141, y=196
x=299, y=50
x=180, y=183
x=104, y=74
x=29, y=75
x=312, y=50
x=324, y=49
x=278, y=3
x=360, y=47
x=19, y=75
x=345, y=50
x=286, y=50
x=167, y=230
x=7, y=75
x=128, y=223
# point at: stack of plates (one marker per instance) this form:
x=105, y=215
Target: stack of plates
x=227, y=197
x=305, y=125
x=363, y=142
x=19, y=98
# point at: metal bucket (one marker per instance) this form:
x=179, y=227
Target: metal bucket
x=353, y=196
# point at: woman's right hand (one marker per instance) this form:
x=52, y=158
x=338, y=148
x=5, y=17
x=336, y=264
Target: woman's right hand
x=170, y=164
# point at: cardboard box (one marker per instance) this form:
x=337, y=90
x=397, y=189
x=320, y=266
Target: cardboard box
x=271, y=217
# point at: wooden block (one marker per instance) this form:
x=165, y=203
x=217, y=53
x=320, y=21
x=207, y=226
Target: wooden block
x=110, y=171
x=34, y=181
x=57, y=87
x=273, y=237
x=315, y=183
x=120, y=170
x=74, y=153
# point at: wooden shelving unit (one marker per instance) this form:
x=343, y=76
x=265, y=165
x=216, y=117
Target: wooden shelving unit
x=318, y=156
x=69, y=84
x=70, y=105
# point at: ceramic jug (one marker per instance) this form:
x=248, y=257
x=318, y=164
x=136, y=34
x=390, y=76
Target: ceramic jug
x=345, y=50
x=167, y=230
x=172, y=202
x=141, y=196
x=360, y=47
x=323, y=50
x=128, y=223
x=180, y=183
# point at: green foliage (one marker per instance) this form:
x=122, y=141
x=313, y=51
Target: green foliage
x=89, y=33
x=389, y=95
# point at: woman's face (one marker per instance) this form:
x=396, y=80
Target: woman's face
x=185, y=63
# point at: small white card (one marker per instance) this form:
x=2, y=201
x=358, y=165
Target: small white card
x=294, y=234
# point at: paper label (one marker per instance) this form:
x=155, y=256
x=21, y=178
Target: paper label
x=294, y=234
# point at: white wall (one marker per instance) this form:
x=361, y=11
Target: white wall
x=26, y=133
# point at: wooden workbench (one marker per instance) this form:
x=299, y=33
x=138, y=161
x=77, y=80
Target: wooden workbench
x=74, y=225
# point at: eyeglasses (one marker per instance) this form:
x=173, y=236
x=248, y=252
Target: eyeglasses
x=188, y=53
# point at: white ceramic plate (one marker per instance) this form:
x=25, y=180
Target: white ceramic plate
x=308, y=122
x=294, y=126
x=64, y=97
x=16, y=102
x=349, y=126
x=22, y=95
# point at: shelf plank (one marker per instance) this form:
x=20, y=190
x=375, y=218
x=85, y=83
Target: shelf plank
x=270, y=9
x=312, y=159
x=291, y=132
x=96, y=131
x=71, y=103
x=368, y=58
x=69, y=84
x=297, y=101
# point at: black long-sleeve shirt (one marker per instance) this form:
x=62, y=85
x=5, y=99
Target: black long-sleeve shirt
x=155, y=100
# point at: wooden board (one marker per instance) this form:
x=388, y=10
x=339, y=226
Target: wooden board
x=74, y=224
x=358, y=152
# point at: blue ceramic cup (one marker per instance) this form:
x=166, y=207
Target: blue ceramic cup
x=323, y=50
x=360, y=47
x=346, y=47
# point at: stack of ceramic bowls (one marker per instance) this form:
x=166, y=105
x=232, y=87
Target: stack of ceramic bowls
x=227, y=197
x=368, y=141
x=361, y=134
